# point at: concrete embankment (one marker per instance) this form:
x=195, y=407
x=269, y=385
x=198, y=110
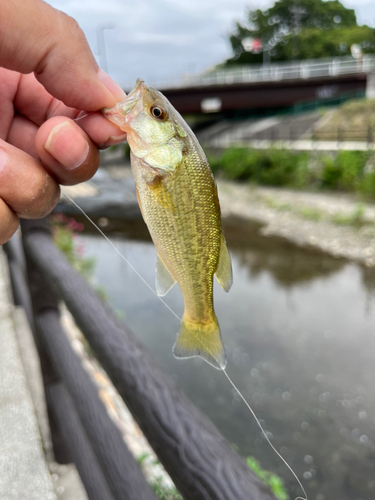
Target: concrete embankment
x=334, y=223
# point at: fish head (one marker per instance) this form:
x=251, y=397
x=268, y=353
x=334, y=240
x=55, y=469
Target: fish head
x=155, y=130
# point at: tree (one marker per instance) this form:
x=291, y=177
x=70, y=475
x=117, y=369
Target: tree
x=301, y=29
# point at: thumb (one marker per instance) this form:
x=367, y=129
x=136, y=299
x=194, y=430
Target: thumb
x=35, y=37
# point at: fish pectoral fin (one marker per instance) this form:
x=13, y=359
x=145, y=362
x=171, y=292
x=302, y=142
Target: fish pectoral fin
x=201, y=339
x=139, y=200
x=223, y=272
x=164, y=281
x=162, y=196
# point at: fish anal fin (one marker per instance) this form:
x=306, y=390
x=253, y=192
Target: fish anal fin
x=223, y=272
x=200, y=339
x=164, y=281
x=161, y=195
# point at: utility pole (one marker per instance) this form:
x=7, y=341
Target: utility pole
x=101, y=43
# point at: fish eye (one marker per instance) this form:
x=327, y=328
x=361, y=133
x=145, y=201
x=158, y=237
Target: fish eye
x=158, y=112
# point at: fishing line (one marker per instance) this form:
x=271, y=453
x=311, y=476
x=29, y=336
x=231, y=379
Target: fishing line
x=179, y=319
x=120, y=254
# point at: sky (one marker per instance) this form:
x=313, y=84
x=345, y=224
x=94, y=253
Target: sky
x=159, y=40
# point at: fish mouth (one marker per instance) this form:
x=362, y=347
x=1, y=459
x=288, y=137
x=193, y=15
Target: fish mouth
x=119, y=112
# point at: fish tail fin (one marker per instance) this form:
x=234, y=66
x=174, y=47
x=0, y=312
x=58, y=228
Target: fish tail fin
x=201, y=339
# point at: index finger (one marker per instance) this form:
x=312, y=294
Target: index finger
x=34, y=37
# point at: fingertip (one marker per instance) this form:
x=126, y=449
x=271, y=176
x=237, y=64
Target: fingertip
x=67, y=151
x=67, y=145
x=113, y=87
x=100, y=130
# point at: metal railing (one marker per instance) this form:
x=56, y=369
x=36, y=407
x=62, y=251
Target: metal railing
x=252, y=73
x=202, y=464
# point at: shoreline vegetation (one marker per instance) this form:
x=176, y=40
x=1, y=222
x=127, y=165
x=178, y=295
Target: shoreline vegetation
x=342, y=171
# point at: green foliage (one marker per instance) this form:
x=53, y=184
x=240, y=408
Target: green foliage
x=301, y=29
x=275, y=483
x=274, y=167
x=164, y=492
x=352, y=171
x=64, y=230
x=344, y=171
x=367, y=185
x=356, y=218
x=310, y=213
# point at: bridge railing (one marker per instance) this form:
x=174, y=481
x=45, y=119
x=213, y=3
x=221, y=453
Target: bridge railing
x=202, y=464
x=304, y=69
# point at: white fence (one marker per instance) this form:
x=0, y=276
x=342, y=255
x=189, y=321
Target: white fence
x=304, y=69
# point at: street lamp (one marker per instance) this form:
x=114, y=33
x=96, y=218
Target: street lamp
x=101, y=43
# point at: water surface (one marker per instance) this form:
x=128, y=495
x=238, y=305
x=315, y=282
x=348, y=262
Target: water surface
x=298, y=328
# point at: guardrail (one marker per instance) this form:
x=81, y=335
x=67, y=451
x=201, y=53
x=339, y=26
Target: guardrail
x=251, y=73
x=202, y=464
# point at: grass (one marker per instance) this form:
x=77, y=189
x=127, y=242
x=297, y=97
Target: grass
x=162, y=491
x=356, y=218
x=165, y=492
x=310, y=213
x=274, y=482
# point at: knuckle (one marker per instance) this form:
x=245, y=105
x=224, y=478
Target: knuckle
x=9, y=223
x=72, y=31
x=8, y=231
x=42, y=197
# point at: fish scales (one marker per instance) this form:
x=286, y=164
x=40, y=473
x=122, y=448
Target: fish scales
x=179, y=203
x=189, y=240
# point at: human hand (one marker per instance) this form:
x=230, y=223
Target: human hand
x=48, y=75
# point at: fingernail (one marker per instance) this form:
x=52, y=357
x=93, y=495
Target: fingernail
x=3, y=159
x=67, y=146
x=111, y=85
x=114, y=139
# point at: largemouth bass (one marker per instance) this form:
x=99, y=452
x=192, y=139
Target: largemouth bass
x=178, y=199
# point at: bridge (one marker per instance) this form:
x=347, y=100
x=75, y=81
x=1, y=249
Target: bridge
x=277, y=85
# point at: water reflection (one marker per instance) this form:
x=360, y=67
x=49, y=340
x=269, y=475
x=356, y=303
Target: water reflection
x=298, y=330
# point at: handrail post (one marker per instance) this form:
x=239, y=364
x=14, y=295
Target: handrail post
x=121, y=471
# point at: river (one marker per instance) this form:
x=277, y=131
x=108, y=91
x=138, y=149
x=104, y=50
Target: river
x=298, y=328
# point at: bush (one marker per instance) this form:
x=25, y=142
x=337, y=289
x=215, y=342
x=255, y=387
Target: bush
x=273, y=167
x=278, y=167
x=344, y=171
x=352, y=167
x=352, y=171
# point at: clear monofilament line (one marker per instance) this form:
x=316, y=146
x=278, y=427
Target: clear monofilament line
x=176, y=316
x=265, y=435
x=120, y=254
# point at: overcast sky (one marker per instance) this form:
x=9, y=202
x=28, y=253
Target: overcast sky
x=160, y=39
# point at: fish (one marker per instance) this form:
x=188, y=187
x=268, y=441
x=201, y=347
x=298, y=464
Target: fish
x=178, y=198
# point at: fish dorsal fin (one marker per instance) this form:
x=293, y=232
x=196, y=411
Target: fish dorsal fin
x=162, y=196
x=224, y=268
x=164, y=281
